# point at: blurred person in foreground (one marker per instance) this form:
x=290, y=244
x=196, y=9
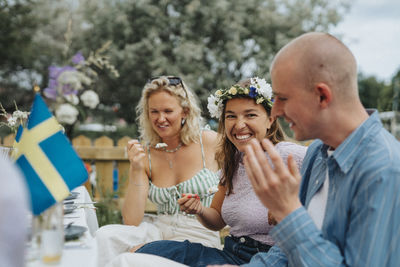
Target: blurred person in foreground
x=244, y=112
x=13, y=215
x=175, y=157
x=348, y=209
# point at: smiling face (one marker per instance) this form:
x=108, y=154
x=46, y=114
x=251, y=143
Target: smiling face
x=165, y=114
x=294, y=101
x=245, y=120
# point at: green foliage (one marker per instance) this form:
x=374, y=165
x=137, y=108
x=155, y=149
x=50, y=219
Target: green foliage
x=108, y=211
x=108, y=207
x=18, y=22
x=395, y=89
x=374, y=93
x=385, y=100
x=210, y=44
x=369, y=90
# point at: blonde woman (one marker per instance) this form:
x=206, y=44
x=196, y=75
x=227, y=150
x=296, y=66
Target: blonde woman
x=174, y=157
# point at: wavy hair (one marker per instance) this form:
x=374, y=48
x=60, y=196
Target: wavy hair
x=227, y=154
x=190, y=131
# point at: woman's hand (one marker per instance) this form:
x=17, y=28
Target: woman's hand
x=190, y=204
x=136, y=155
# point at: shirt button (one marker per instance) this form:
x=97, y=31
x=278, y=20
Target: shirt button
x=316, y=182
x=242, y=240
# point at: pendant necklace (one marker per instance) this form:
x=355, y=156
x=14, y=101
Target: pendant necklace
x=172, y=151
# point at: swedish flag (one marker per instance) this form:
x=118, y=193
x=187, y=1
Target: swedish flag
x=50, y=164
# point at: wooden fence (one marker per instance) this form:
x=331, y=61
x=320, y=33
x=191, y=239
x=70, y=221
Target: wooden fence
x=105, y=156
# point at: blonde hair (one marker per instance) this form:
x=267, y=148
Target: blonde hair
x=190, y=130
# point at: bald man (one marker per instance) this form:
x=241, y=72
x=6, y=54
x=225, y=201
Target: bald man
x=343, y=209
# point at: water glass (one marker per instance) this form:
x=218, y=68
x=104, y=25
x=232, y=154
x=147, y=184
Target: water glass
x=52, y=234
x=33, y=240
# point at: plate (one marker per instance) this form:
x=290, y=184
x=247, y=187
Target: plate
x=74, y=232
x=72, y=195
x=69, y=208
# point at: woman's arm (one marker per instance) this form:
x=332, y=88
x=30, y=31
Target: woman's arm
x=138, y=186
x=211, y=217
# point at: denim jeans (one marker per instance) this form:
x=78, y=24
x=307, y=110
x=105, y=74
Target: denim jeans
x=236, y=251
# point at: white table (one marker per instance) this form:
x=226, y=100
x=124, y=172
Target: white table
x=82, y=252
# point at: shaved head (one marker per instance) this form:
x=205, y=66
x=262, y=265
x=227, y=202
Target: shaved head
x=320, y=58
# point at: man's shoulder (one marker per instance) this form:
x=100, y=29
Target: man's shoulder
x=313, y=148
x=382, y=146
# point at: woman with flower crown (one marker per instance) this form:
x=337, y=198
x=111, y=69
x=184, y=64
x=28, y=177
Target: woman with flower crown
x=175, y=157
x=244, y=113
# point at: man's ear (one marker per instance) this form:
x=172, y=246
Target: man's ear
x=325, y=94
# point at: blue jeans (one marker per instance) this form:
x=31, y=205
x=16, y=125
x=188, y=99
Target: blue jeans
x=236, y=251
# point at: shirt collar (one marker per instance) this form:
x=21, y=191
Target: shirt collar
x=351, y=148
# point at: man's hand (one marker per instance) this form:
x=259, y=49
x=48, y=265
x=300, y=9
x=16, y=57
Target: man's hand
x=277, y=187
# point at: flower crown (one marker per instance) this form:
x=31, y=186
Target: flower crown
x=259, y=90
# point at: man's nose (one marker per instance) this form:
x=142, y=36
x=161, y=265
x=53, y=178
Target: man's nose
x=276, y=110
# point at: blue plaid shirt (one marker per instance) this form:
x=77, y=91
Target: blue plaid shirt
x=361, y=226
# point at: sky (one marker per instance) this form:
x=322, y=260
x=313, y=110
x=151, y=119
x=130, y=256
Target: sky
x=371, y=29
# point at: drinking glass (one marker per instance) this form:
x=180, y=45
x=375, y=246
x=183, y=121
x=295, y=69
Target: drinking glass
x=52, y=234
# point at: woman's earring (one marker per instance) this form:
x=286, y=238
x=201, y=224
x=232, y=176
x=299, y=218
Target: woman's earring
x=183, y=121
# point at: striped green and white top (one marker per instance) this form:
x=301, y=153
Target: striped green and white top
x=166, y=197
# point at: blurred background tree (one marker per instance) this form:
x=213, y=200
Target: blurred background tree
x=209, y=43
x=18, y=52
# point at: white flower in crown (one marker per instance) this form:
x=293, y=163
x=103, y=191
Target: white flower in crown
x=214, y=106
x=259, y=90
x=233, y=90
x=262, y=87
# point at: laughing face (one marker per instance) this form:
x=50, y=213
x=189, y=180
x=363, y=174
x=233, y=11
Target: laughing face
x=245, y=120
x=165, y=114
x=297, y=104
